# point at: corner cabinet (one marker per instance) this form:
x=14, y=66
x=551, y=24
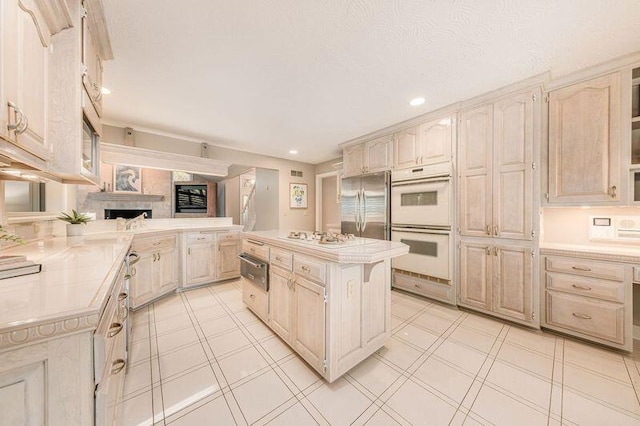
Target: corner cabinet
x=75, y=76
x=24, y=88
x=584, y=142
x=155, y=273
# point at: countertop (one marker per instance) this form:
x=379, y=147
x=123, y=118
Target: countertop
x=621, y=252
x=360, y=250
x=70, y=292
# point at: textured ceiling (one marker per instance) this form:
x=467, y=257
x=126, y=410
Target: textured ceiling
x=270, y=75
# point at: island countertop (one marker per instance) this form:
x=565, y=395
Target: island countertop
x=360, y=250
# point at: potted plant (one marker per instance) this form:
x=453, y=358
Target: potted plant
x=75, y=221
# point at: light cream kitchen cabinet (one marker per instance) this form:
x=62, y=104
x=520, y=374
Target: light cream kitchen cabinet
x=309, y=320
x=200, y=259
x=228, y=249
x=24, y=96
x=156, y=271
x=281, y=302
x=496, y=167
x=368, y=157
x=428, y=143
x=498, y=278
x=75, y=75
x=584, y=142
x=589, y=297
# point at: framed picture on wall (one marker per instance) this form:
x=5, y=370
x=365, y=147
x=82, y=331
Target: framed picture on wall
x=298, y=195
x=127, y=179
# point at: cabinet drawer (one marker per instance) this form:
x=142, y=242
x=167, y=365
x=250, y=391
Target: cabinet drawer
x=255, y=249
x=597, y=318
x=310, y=269
x=256, y=299
x=589, y=268
x=228, y=236
x=200, y=237
x=609, y=290
x=149, y=244
x=281, y=258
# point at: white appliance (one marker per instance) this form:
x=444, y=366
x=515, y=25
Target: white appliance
x=429, y=252
x=620, y=229
x=421, y=216
x=421, y=196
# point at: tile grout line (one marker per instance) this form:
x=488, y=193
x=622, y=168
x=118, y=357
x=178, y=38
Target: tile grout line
x=155, y=337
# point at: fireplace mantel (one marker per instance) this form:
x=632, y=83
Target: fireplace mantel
x=124, y=197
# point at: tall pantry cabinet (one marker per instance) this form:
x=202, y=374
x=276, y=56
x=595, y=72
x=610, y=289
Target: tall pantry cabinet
x=497, y=144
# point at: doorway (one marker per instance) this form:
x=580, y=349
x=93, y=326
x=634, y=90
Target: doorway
x=328, y=202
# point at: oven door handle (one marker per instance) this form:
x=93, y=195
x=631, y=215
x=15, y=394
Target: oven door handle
x=421, y=231
x=419, y=181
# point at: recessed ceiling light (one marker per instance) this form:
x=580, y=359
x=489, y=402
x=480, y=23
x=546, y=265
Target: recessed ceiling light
x=105, y=91
x=293, y=151
x=417, y=101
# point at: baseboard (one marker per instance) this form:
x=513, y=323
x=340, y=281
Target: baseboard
x=636, y=332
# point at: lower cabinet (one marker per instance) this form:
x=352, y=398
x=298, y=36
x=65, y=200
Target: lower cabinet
x=498, y=278
x=156, y=271
x=210, y=256
x=227, y=262
x=281, y=302
x=589, y=298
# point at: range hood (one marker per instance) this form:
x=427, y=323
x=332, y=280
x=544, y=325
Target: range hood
x=150, y=159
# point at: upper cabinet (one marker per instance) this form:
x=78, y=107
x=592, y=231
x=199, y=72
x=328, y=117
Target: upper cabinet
x=368, y=157
x=75, y=76
x=24, y=88
x=584, y=142
x=428, y=143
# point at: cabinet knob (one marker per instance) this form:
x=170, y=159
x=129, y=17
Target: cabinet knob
x=488, y=229
x=495, y=230
x=612, y=192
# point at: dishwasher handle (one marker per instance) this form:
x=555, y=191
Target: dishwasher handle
x=244, y=258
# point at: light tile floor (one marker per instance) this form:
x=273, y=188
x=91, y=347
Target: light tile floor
x=201, y=358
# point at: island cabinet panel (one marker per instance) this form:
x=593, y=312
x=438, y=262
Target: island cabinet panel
x=200, y=263
x=156, y=272
x=280, y=302
x=309, y=320
x=22, y=391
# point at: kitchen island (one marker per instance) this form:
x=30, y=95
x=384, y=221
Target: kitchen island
x=330, y=302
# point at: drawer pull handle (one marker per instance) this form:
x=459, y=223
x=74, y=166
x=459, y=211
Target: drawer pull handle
x=253, y=277
x=418, y=285
x=117, y=366
x=122, y=296
x=158, y=243
x=581, y=268
x=581, y=316
x=581, y=287
x=278, y=258
x=252, y=297
x=125, y=313
x=306, y=269
x=116, y=328
x=135, y=256
x=488, y=229
x=133, y=272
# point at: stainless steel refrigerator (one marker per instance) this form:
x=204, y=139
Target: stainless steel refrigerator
x=365, y=206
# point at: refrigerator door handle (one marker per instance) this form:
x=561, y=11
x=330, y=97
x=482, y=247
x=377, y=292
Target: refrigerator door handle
x=357, y=211
x=364, y=210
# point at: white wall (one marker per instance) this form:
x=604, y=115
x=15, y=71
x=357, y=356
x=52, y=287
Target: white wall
x=299, y=219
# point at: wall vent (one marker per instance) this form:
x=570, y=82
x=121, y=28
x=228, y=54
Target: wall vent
x=296, y=173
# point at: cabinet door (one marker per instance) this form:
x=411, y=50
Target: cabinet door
x=475, y=274
x=435, y=140
x=141, y=279
x=309, y=316
x=227, y=262
x=377, y=155
x=92, y=78
x=165, y=271
x=200, y=263
x=512, y=166
x=280, y=303
x=513, y=277
x=353, y=160
x=476, y=152
x=25, y=65
x=23, y=392
x=584, y=141
x=405, y=148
